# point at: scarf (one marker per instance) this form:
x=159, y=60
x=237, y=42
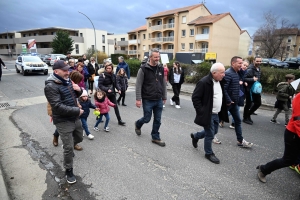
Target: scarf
x=64, y=82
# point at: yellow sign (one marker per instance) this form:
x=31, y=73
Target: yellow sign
x=211, y=56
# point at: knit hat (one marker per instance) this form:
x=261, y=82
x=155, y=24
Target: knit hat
x=84, y=93
x=290, y=76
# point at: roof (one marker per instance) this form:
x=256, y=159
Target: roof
x=141, y=28
x=41, y=29
x=243, y=31
x=177, y=10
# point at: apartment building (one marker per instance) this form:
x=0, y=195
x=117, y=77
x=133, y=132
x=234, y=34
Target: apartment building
x=189, y=31
x=84, y=38
x=290, y=46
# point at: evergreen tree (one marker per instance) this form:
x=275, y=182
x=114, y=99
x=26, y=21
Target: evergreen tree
x=62, y=43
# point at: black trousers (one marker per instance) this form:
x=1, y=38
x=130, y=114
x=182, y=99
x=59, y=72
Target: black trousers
x=91, y=85
x=176, y=90
x=290, y=155
x=0, y=71
x=112, y=98
x=122, y=96
x=256, y=100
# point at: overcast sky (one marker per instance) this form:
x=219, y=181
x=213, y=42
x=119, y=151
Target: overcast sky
x=118, y=16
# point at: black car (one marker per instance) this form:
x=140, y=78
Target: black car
x=278, y=64
x=294, y=63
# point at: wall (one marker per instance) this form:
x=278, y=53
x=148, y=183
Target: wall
x=244, y=44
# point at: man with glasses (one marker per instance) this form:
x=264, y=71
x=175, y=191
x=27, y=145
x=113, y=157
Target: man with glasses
x=151, y=93
x=252, y=75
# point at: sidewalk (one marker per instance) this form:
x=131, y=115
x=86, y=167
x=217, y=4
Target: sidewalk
x=268, y=100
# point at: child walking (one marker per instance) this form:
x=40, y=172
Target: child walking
x=86, y=104
x=102, y=103
x=122, y=83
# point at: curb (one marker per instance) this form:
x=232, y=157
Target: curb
x=3, y=189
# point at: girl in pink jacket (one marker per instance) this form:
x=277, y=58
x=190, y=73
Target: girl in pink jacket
x=102, y=103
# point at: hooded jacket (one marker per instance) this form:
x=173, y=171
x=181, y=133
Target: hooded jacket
x=104, y=106
x=62, y=99
x=85, y=106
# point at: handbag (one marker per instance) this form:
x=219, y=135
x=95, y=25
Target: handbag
x=91, y=78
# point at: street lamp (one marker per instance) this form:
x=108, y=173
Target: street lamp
x=7, y=41
x=94, y=34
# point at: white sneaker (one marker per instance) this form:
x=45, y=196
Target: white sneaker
x=245, y=144
x=90, y=136
x=164, y=106
x=171, y=102
x=83, y=135
x=106, y=129
x=216, y=140
x=96, y=129
x=177, y=106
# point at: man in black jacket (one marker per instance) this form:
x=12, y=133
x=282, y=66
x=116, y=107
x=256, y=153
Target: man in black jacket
x=61, y=93
x=232, y=94
x=210, y=105
x=151, y=89
x=252, y=75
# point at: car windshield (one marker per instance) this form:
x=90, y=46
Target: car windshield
x=265, y=60
x=275, y=60
x=32, y=59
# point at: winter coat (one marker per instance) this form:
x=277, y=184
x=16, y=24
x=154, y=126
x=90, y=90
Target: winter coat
x=108, y=81
x=104, y=106
x=122, y=82
x=171, y=76
x=251, y=72
x=62, y=99
x=93, y=70
x=285, y=90
x=242, y=87
x=202, y=98
x=85, y=106
x=294, y=124
x=126, y=68
x=232, y=86
x=81, y=83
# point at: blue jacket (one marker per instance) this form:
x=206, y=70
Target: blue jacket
x=125, y=66
x=86, y=105
x=232, y=86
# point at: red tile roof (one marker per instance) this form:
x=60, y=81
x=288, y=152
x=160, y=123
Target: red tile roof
x=210, y=19
x=141, y=28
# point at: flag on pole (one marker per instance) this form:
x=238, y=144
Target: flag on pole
x=31, y=44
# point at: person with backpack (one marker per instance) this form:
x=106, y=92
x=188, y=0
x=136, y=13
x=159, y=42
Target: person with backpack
x=284, y=96
x=253, y=90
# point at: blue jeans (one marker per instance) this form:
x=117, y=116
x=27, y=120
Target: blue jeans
x=209, y=133
x=100, y=119
x=148, y=106
x=84, y=125
x=86, y=86
x=234, y=109
x=232, y=120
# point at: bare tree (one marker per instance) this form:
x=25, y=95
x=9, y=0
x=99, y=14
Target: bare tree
x=270, y=36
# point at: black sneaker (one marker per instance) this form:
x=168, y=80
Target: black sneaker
x=137, y=130
x=70, y=176
x=159, y=143
x=121, y=123
x=123, y=104
x=247, y=121
x=274, y=121
x=249, y=118
x=194, y=141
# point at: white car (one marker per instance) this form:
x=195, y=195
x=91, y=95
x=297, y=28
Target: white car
x=31, y=64
x=61, y=57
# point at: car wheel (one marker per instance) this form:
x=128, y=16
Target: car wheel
x=18, y=71
x=46, y=72
x=24, y=72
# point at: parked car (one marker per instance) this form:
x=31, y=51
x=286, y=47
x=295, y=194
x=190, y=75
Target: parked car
x=278, y=64
x=294, y=63
x=265, y=61
x=30, y=64
x=50, y=57
x=56, y=58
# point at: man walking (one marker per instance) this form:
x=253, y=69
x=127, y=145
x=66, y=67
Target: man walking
x=61, y=93
x=210, y=104
x=151, y=91
x=124, y=65
x=1, y=63
x=252, y=75
x=232, y=94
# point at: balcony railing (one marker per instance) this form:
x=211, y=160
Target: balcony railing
x=134, y=42
x=163, y=39
x=132, y=52
x=157, y=39
x=167, y=50
x=203, y=50
x=122, y=43
x=169, y=25
x=202, y=37
x=157, y=27
x=168, y=39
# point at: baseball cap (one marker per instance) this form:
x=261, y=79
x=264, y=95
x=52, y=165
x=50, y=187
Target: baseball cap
x=60, y=64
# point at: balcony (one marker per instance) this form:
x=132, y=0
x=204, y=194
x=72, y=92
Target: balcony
x=122, y=43
x=203, y=50
x=134, y=42
x=167, y=50
x=120, y=52
x=157, y=27
x=167, y=26
x=7, y=41
x=132, y=52
x=157, y=39
x=202, y=37
x=168, y=39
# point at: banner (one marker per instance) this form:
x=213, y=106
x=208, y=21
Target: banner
x=31, y=44
x=24, y=48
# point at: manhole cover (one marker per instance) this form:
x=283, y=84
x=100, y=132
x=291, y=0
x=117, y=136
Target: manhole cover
x=4, y=105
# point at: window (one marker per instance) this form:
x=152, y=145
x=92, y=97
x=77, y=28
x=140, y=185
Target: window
x=149, y=36
x=289, y=39
x=182, y=33
x=115, y=41
x=123, y=48
x=53, y=33
x=77, y=48
x=34, y=34
x=183, y=19
x=158, y=22
x=191, y=46
x=170, y=46
x=29, y=34
x=76, y=34
x=103, y=38
x=93, y=47
x=191, y=32
x=299, y=49
x=288, y=48
x=24, y=35
x=144, y=47
x=45, y=33
x=81, y=35
x=144, y=36
x=103, y=48
x=182, y=46
x=11, y=36
x=171, y=20
x=122, y=39
x=205, y=30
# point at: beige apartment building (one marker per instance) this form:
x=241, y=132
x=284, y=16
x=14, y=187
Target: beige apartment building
x=191, y=30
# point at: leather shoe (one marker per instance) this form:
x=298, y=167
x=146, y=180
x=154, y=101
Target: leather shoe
x=55, y=141
x=249, y=118
x=194, y=141
x=123, y=104
x=212, y=158
x=247, y=121
x=121, y=123
x=159, y=143
x=78, y=148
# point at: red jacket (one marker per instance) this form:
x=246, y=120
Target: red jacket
x=104, y=106
x=294, y=125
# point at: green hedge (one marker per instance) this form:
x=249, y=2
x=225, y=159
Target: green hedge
x=134, y=66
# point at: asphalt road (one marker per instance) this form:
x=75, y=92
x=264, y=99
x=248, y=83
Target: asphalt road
x=121, y=165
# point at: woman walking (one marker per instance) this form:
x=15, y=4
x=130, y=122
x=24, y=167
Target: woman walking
x=93, y=71
x=176, y=78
